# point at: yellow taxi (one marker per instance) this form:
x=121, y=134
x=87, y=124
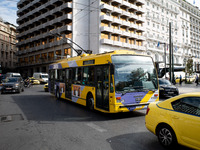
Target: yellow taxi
x=176, y=120
x=46, y=88
x=190, y=78
x=34, y=81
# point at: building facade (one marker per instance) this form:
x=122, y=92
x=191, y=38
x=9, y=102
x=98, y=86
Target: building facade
x=38, y=42
x=193, y=27
x=97, y=25
x=52, y=29
x=8, y=48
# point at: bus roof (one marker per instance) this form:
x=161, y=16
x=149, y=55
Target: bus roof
x=88, y=59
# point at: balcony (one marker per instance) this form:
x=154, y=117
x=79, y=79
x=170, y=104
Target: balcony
x=127, y=45
x=133, y=16
x=125, y=13
x=117, y=43
x=141, y=28
x=117, y=21
x=117, y=1
x=142, y=48
x=133, y=35
x=134, y=26
x=141, y=19
x=133, y=46
x=125, y=23
x=106, y=41
x=141, y=10
x=106, y=7
x=106, y=29
x=140, y=2
x=132, y=6
x=124, y=33
x=141, y=38
x=117, y=31
x=106, y=18
x=125, y=3
x=117, y=10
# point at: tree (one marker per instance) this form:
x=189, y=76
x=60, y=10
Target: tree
x=189, y=66
x=189, y=69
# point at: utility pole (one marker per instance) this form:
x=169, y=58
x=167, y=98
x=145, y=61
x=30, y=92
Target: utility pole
x=170, y=53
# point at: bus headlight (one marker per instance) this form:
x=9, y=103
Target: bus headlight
x=119, y=100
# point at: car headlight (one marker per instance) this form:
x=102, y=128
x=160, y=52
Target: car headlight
x=161, y=89
x=16, y=85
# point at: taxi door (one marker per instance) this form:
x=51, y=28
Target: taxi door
x=186, y=119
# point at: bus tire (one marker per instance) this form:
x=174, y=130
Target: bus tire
x=90, y=102
x=57, y=94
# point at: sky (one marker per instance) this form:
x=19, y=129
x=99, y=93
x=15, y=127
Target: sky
x=8, y=9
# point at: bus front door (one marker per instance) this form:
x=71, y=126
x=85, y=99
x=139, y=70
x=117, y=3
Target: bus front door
x=102, y=88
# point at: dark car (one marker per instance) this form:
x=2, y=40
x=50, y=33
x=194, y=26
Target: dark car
x=167, y=89
x=12, y=84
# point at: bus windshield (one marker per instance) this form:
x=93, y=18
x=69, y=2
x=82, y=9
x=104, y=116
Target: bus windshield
x=134, y=73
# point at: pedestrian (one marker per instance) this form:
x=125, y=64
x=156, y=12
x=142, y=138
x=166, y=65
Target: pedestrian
x=197, y=80
x=180, y=79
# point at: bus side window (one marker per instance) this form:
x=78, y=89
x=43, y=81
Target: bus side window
x=73, y=74
x=91, y=76
x=78, y=76
x=63, y=75
x=85, y=75
x=60, y=75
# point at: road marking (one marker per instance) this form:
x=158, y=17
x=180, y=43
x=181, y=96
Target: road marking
x=96, y=127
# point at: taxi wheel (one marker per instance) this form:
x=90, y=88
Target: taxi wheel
x=166, y=136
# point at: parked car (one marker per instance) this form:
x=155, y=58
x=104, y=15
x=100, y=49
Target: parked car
x=34, y=81
x=46, y=88
x=176, y=120
x=166, y=88
x=12, y=84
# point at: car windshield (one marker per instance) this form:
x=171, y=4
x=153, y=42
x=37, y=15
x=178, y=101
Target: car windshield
x=164, y=82
x=44, y=76
x=11, y=80
x=134, y=73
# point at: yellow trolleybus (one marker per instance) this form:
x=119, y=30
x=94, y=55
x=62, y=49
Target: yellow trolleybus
x=112, y=82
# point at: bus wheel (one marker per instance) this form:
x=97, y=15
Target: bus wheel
x=90, y=102
x=57, y=94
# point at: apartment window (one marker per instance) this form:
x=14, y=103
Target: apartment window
x=114, y=37
x=139, y=43
x=104, y=36
x=104, y=24
x=131, y=41
x=67, y=51
x=123, y=39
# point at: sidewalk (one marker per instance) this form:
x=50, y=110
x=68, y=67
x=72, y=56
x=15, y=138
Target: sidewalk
x=187, y=88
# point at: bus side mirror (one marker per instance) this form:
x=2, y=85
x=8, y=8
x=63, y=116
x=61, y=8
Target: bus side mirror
x=112, y=68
